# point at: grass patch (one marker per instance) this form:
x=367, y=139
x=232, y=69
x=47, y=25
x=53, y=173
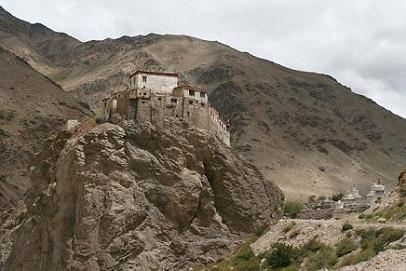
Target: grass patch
x=242, y=260
x=345, y=246
x=324, y=258
x=292, y=208
x=346, y=227
x=372, y=242
x=282, y=255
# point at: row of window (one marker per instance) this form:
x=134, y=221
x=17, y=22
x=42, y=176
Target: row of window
x=192, y=93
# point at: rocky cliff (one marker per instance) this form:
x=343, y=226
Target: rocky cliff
x=134, y=197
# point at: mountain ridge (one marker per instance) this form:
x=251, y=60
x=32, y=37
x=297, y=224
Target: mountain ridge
x=299, y=128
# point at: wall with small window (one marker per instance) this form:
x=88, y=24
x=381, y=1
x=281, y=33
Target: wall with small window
x=161, y=84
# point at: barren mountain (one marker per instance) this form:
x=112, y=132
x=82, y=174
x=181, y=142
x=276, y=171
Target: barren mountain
x=135, y=197
x=301, y=129
x=32, y=108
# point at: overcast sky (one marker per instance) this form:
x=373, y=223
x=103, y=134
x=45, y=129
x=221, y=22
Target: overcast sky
x=362, y=43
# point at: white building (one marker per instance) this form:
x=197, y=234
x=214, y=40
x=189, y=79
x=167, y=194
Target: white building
x=154, y=82
x=379, y=190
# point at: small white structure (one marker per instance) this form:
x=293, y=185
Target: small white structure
x=379, y=190
x=355, y=194
x=371, y=197
x=348, y=198
x=339, y=205
x=339, y=210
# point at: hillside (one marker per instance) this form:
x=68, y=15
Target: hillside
x=301, y=129
x=32, y=108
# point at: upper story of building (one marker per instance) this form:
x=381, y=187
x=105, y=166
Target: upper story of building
x=154, y=82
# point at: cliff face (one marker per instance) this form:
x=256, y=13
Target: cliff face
x=138, y=198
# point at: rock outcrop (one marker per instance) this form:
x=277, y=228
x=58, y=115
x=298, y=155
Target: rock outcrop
x=134, y=197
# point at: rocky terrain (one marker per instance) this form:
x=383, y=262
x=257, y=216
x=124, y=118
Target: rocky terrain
x=32, y=108
x=301, y=129
x=134, y=197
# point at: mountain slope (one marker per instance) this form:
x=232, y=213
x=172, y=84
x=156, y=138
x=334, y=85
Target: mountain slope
x=32, y=107
x=301, y=129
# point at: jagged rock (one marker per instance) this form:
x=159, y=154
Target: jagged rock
x=134, y=197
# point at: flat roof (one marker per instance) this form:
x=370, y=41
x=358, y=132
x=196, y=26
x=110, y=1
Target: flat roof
x=155, y=73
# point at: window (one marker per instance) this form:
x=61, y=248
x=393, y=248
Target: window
x=144, y=78
x=145, y=93
x=188, y=114
x=174, y=101
x=202, y=95
x=191, y=93
x=190, y=102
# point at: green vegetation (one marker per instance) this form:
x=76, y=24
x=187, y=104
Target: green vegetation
x=394, y=213
x=358, y=257
x=292, y=208
x=337, y=197
x=314, y=255
x=372, y=242
x=269, y=112
x=7, y=114
x=346, y=227
x=345, y=246
x=281, y=256
x=324, y=258
x=242, y=260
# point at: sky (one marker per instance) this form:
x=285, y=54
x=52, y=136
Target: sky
x=361, y=43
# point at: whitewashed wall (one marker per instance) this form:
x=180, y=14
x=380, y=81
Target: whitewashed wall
x=161, y=84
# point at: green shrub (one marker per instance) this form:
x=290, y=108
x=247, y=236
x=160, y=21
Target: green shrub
x=345, y=246
x=281, y=256
x=385, y=237
x=346, y=227
x=292, y=208
x=312, y=246
x=324, y=258
x=337, y=197
x=361, y=256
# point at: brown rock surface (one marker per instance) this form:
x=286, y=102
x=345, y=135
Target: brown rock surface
x=139, y=198
x=32, y=108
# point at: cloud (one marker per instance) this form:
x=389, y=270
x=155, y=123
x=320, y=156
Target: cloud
x=362, y=43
